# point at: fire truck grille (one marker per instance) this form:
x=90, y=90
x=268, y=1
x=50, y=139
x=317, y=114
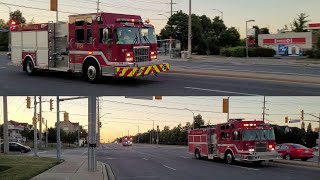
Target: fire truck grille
x=141, y=54
x=261, y=147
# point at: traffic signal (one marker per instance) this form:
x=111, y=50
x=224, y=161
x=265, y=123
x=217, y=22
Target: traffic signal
x=286, y=119
x=66, y=116
x=53, y=5
x=28, y=102
x=51, y=104
x=302, y=115
x=100, y=124
x=158, y=97
x=225, y=106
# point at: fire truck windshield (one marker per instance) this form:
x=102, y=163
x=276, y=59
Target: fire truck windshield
x=132, y=35
x=252, y=135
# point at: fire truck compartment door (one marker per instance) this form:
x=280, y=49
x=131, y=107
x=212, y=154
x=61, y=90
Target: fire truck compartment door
x=16, y=47
x=42, y=48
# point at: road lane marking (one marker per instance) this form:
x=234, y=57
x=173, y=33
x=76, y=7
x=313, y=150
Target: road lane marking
x=169, y=167
x=84, y=153
x=145, y=159
x=3, y=67
x=245, y=168
x=42, y=152
x=185, y=157
x=213, y=90
x=238, y=70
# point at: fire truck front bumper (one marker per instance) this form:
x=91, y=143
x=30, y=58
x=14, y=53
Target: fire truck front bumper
x=141, y=71
x=262, y=156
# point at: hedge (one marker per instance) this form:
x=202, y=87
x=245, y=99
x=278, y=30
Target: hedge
x=240, y=51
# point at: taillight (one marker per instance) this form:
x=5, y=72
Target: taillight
x=153, y=55
x=271, y=147
x=129, y=57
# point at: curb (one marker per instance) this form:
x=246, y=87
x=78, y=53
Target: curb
x=109, y=172
x=250, y=75
x=297, y=163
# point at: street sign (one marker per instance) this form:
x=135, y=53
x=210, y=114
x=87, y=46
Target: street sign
x=294, y=121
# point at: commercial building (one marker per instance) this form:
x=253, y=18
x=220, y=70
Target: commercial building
x=291, y=43
x=15, y=129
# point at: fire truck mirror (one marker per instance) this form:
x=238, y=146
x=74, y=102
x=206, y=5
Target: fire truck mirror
x=236, y=135
x=105, y=35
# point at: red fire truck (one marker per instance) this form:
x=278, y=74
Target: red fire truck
x=95, y=45
x=236, y=140
x=127, y=141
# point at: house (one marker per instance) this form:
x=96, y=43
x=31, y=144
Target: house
x=69, y=126
x=14, y=130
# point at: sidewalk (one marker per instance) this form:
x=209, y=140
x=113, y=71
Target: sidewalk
x=74, y=168
x=293, y=61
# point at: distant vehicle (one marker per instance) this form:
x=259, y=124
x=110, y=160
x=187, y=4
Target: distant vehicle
x=13, y=146
x=316, y=148
x=127, y=141
x=235, y=140
x=116, y=142
x=290, y=151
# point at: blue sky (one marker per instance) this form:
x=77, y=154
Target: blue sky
x=127, y=114
x=272, y=13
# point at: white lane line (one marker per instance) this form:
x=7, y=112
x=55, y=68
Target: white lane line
x=185, y=157
x=245, y=168
x=3, y=67
x=145, y=159
x=229, y=92
x=238, y=70
x=169, y=167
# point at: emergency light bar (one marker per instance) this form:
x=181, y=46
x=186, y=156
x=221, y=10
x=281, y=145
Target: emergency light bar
x=129, y=20
x=250, y=125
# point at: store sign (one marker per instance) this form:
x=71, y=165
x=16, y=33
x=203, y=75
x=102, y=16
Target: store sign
x=285, y=41
x=314, y=26
x=283, y=49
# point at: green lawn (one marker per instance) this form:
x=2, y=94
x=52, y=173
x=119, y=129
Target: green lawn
x=24, y=167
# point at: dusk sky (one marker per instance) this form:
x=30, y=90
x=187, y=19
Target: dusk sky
x=127, y=114
x=272, y=13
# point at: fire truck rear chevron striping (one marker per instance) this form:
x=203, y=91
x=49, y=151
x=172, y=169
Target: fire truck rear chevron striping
x=236, y=140
x=98, y=44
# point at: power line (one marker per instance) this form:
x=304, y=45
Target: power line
x=41, y=9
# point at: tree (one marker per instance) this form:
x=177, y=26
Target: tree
x=198, y=121
x=27, y=134
x=309, y=128
x=17, y=15
x=299, y=24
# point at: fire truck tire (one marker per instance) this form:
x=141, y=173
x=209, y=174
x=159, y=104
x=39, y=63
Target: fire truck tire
x=229, y=157
x=197, y=154
x=92, y=72
x=29, y=67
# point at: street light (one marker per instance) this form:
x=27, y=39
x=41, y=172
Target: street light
x=192, y=116
x=247, y=46
x=220, y=12
x=164, y=15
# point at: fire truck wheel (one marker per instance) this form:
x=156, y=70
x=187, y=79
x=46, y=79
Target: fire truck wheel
x=30, y=67
x=197, y=154
x=92, y=72
x=229, y=157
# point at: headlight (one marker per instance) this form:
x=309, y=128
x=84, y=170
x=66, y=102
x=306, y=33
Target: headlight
x=251, y=150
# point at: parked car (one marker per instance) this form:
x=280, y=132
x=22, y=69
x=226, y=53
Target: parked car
x=316, y=148
x=13, y=146
x=292, y=151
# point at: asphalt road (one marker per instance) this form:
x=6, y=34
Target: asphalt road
x=15, y=82
x=172, y=162
x=268, y=69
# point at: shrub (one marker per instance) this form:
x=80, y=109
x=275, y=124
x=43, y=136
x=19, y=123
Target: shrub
x=310, y=53
x=240, y=51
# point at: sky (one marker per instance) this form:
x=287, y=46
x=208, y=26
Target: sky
x=271, y=13
x=121, y=114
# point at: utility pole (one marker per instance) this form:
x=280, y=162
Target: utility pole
x=5, y=125
x=40, y=120
x=264, y=107
x=35, y=138
x=98, y=117
x=157, y=134
x=153, y=136
x=58, y=129
x=189, y=32
x=98, y=6
x=92, y=162
x=46, y=133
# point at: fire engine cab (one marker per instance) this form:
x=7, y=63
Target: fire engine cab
x=236, y=140
x=98, y=44
x=127, y=141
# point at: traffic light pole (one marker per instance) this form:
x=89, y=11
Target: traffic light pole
x=58, y=129
x=35, y=138
x=5, y=125
x=40, y=125
x=92, y=162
